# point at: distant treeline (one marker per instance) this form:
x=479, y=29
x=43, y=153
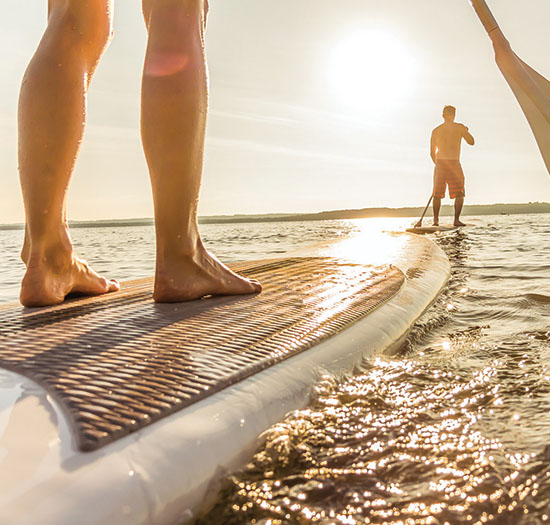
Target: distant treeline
x=472, y=209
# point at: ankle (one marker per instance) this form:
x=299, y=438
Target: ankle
x=54, y=253
x=178, y=247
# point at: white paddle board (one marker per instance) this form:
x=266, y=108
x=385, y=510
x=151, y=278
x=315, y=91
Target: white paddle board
x=118, y=410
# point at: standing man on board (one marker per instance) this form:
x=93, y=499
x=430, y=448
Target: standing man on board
x=52, y=110
x=445, y=152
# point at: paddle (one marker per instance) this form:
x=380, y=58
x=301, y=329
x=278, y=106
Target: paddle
x=419, y=223
x=531, y=89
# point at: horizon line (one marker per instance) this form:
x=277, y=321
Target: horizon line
x=339, y=214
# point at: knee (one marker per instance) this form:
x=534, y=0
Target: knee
x=87, y=26
x=181, y=16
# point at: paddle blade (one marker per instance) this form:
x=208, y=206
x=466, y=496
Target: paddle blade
x=531, y=89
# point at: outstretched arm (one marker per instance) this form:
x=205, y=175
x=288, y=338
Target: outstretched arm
x=468, y=136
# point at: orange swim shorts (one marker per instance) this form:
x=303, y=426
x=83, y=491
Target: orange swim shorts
x=448, y=173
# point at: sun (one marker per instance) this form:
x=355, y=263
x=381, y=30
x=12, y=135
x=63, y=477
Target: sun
x=371, y=70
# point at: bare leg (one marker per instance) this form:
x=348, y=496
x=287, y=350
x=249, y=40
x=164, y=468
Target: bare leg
x=459, y=202
x=174, y=108
x=437, y=207
x=52, y=110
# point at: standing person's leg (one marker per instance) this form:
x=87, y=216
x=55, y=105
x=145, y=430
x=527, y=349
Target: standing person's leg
x=52, y=110
x=459, y=202
x=457, y=191
x=174, y=108
x=437, y=207
x=438, y=192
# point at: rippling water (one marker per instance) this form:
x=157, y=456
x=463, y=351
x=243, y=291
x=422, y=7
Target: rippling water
x=455, y=428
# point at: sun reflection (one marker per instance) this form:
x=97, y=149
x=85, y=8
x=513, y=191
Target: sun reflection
x=374, y=241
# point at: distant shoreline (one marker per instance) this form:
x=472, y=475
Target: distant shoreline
x=472, y=209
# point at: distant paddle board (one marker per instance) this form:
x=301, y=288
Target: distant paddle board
x=433, y=229
x=117, y=410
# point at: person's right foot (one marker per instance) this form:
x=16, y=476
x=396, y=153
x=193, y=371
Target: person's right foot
x=194, y=275
x=436, y=223
x=48, y=281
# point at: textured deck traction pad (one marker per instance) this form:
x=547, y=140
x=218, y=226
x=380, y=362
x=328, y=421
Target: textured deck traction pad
x=118, y=362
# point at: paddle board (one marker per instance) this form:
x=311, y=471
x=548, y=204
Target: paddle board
x=115, y=409
x=432, y=229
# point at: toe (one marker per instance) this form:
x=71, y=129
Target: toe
x=101, y=285
x=256, y=285
x=114, y=285
x=91, y=283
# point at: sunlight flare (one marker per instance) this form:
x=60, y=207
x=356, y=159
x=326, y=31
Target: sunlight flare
x=372, y=70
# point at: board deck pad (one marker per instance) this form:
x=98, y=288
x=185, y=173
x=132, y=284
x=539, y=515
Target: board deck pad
x=118, y=362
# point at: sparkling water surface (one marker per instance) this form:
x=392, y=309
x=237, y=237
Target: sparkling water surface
x=455, y=428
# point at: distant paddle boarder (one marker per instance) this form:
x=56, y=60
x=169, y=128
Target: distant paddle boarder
x=445, y=146
x=52, y=110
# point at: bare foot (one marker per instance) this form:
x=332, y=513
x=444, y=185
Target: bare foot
x=195, y=275
x=458, y=223
x=436, y=223
x=48, y=280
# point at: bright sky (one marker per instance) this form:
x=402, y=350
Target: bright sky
x=315, y=105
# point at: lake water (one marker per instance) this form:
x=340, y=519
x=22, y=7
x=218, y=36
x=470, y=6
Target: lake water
x=453, y=429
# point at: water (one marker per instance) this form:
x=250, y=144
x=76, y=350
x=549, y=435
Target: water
x=453, y=429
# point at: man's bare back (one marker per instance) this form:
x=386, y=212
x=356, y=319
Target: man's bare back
x=447, y=139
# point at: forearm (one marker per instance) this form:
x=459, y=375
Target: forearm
x=433, y=148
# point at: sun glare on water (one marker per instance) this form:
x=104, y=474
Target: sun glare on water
x=372, y=71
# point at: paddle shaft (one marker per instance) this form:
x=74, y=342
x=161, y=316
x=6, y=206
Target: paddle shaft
x=419, y=223
x=484, y=13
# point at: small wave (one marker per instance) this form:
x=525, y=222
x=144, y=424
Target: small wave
x=539, y=336
x=538, y=298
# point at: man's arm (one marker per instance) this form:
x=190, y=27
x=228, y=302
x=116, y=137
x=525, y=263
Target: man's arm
x=433, y=147
x=468, y=136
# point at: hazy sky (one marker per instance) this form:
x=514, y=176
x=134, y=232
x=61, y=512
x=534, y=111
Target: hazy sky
x=293, y=126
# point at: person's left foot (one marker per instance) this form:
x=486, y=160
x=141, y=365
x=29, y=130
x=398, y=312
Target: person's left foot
x=196, y=274
x=458, y=223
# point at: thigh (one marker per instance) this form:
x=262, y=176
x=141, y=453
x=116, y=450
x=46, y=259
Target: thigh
x=440, y=181
x=456, y=183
